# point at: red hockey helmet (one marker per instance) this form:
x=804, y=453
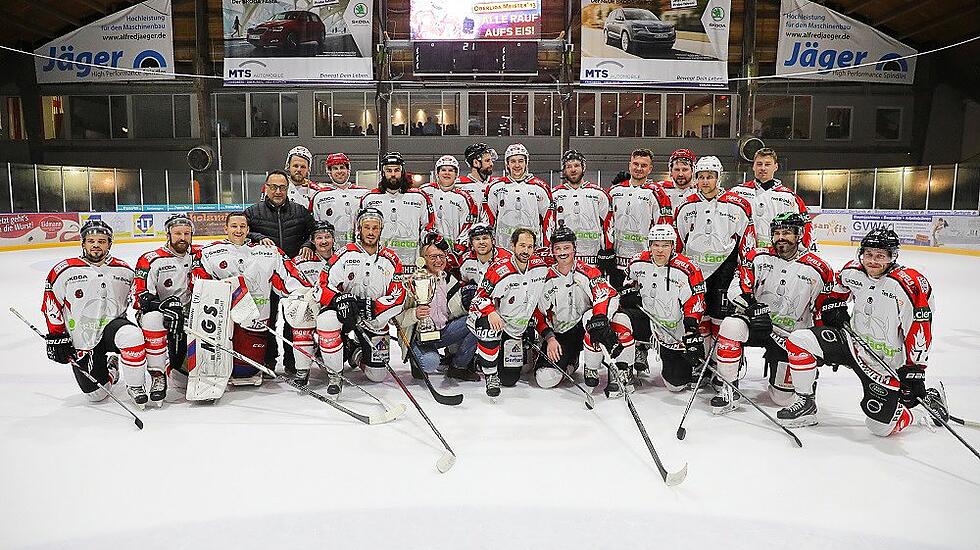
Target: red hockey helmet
x=682, y=154
x=336, y=159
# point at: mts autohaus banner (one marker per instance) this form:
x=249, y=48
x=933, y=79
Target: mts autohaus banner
x=140, y=37
x=815, y=38
x=297, y=40
x=669, y=42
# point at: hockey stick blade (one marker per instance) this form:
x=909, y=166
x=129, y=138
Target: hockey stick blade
x=388, y=415
x=445, y=462
x=675, y=478
x=85, y=373
x=451, y=400
x=967, y=423
x=589, y=400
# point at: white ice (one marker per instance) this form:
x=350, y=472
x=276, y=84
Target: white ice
x=268, y=468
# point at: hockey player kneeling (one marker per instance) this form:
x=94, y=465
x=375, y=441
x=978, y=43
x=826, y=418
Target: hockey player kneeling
x=502, y=309
x=665, y=288
x=361, y=292
x=85, y=301
x=573, y=315
x=893, y=307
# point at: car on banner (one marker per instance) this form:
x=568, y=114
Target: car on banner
x=636, y=31
x=289, y=30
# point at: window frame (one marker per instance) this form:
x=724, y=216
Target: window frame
x=850, y=122
x=901, y=123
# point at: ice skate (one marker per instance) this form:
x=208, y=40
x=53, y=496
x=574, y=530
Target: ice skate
x=801, y=413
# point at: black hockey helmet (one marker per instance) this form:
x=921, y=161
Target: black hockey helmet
x=562, y=235
x=321, y=226
x=791, y=220
x=370, y=213
x=392, y=158
x=434, y=238
x=572, y=154
x=882, y=238
x=95, y=227
x=178, y=219
x=476, y=151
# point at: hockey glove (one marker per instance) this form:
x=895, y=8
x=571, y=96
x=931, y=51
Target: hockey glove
x=620, y=178
x=693, y=342
x=346, y=306
x=367, y=309
x=601, y=332
x=466, y=295
x=760, y=323
x=149, y=302
x=60, y=348
x=630, y=297
x=173, y=315
x=834, y=314
x=913, y=388
x=606, y=260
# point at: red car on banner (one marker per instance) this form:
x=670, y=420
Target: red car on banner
x=289, y=30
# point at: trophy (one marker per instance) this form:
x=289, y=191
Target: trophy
x=423, y=285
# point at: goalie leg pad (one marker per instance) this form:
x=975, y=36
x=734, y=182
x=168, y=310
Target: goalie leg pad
x=251, y=344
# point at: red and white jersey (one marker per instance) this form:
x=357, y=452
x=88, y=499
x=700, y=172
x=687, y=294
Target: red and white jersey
x=408, y=216
x=311, y=269
x=512, y=204
x=669, y=293
x=512, y=293
x=339, y=206
x=266, y=270
x=165, y=274
x=472, y=270
x=454, y=210
x=636, y=208
x=711, y=230
x=893, y=313
x=376, y=276
x=302, y=194
x=767, y=200
x=567, y=298
x=477, y=190
x=677, y=195
x=586, y=210
x=793, y=289
x=81, y=298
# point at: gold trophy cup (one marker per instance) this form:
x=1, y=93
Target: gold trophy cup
x=423, y=286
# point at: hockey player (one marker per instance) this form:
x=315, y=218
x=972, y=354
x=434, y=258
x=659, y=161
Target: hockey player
x=665, y=288
x=365, y=277
x=323, y=241
x=573, y=314
x=502, y=309
x=714, y=230
x=893, y=307
x=84, y=305
x=768, y=196
x=638, y=205
x=517, y=200
x=408, y=211
x=480, y=158
x=582, y=206
x=338, y=201
x=454, y=209
x=161, y=295
x=681, y=183
x=785, y=285
x=298, y=163
x=482, y=253
x=266, y=269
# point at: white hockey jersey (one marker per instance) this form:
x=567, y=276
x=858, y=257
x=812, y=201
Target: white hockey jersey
x=586, y=210
x=302, y=194
x=670, y=293
x=767, y=200
x=512, y=204
x=566, y=299
x=407, y=216
x=512, y=293
x=164, y=274
x=472, y=270
x=635, y=210
x=711, y=230
x=81, y=298
x=339, y=206
x=454, y=210
x=311, y=269
x=376, y=276
x=477, y=190
x=677, y=195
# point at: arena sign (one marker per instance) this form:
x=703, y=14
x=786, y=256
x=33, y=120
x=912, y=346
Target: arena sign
x=655, y=42
x=279, y=41
x=476, y=20
x=139, y=37
x=815, y=38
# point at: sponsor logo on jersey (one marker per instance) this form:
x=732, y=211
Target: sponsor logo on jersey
x=168, y=283
x=79, y=293
x=223, y=265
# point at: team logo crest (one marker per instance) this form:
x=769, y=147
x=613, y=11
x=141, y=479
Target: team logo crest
x=223, y=265
x=79, y=293
x=168, y=283
x=330, y=211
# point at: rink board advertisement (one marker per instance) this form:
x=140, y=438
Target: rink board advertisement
x=932, y=229
x=682, y=43
x=20, y=230
x=140, y=37
x=282, y=41
x=813, y=37
x=131, y=225
x=476, y=20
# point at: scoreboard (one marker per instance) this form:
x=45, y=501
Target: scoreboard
x=475, y=57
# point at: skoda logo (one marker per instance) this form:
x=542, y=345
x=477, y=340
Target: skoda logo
x=360, y=10
x=717, y=13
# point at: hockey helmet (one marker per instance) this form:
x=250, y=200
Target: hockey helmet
x=882, y=238
x=370, y=213
x=708, y=164
x=447, y=160
x=662, y=232
x=434, y=238
x=392, y=158
x=301, y=152
x=478, y=229
x=562, y=235
x=95, y=227
x=322, y=226
x=178, y=219
x=572, y=154
x=791, y=220
x=681, y=154
x=477, y=150
x=337, y=159
x=516, y=149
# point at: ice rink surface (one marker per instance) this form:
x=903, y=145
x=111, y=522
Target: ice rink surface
x=268, y=468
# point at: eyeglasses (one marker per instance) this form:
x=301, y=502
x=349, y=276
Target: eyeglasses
x=274, y=187
x=438, y=256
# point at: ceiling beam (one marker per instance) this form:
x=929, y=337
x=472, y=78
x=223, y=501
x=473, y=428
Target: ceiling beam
x=43, y=6
x=33, y=29
x=899, y=13
x=858, y=6
x=940, y=22
x=91, y=4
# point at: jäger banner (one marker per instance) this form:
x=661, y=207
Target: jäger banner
x=667, y=42
x=297, y=40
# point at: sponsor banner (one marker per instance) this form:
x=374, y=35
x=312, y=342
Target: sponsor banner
x=179, y=207
x=814, y=37
x=680, y=43
x=208, y=223
x=139, y=37
x=475, y=20
x=297, y=41
x=937, y=229
x=18, y=230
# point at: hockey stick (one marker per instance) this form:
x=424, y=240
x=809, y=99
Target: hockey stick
x=662, y=333
x=387, y=416
x=894, y=374
x=320, y=363
x=452, y=400
x=448, y=459
x=85, y=373
x=670, y=478
x=589, y=400
x=681, y=430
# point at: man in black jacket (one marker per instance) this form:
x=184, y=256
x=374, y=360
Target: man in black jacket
x=278, y=221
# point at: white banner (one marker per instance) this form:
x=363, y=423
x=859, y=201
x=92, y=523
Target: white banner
x=682, y=43
x=945, y=229
x=812, y=37
x=297, y=40
x=140, y=37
